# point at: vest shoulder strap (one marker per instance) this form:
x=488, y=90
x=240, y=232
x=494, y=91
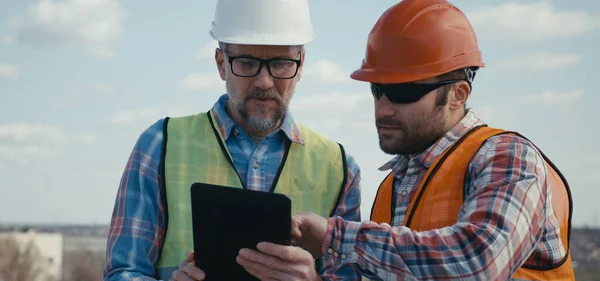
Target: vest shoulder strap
x=332, y=160
x=466, y=146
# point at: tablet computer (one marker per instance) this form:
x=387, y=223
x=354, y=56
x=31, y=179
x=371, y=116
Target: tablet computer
x=227, y=219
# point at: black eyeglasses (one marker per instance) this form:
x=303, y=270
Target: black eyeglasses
x=406, y=92
x=279, y=68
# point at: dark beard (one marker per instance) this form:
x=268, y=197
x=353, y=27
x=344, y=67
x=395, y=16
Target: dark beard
x=426, y=134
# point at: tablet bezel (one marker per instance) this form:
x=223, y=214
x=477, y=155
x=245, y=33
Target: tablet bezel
x=216, y=197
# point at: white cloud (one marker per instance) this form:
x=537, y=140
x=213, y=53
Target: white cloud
x=591, y=159
x=86, y=138
x=327, y=71
x=207, y=52
x=24, y=142
x=203, y=82
x=542, y=61
x=553, y=98
x=94, y=24
x=8, y=71
x=486, y=113
x=7, y=39
x=93, y=93
x=594, y=178
x=23, y=155
x=103, y=89
x=20, y=132
x=533, y=21
x=148, y=114
x=339, y=111
x=128, y=116
x=336, y=102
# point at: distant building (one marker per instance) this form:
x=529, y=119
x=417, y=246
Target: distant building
x=84, y=243
x=49, y=246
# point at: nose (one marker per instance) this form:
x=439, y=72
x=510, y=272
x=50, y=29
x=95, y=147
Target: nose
x=384, y=108
x=263, y=79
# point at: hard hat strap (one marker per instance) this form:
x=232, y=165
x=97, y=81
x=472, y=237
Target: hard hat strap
x=470, y=75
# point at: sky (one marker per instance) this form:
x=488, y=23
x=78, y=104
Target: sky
x=80, y=80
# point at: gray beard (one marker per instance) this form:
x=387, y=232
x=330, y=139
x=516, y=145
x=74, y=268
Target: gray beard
x=260, y=123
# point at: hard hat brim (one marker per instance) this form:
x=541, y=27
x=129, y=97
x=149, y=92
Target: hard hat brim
x=253, y=38
x=368, y=73
x=375, y=76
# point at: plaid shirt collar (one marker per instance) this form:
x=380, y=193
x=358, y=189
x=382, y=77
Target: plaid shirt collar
x=226, y=124
x=400, y=162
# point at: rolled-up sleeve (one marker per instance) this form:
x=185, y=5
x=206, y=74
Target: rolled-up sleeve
x=348, y=209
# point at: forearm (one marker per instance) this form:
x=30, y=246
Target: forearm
x=349, y=210
x=452, y=253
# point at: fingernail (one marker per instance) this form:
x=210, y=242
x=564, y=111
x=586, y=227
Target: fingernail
x=244, y=253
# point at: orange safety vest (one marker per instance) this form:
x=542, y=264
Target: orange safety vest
x=440, y=196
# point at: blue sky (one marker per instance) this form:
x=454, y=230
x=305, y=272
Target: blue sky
x=80, y=80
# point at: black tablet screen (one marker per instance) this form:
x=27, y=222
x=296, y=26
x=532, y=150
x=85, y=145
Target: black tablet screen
x=227, y=219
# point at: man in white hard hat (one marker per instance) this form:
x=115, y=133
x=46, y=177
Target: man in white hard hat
x=248, y=139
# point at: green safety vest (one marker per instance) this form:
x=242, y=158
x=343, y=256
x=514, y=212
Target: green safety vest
x=313, y=176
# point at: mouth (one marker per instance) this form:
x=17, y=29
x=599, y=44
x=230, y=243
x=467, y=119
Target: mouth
x=265, y=100
x=387, y=128
x=262, y=99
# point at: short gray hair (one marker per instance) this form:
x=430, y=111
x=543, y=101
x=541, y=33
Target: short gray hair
x=223, y=46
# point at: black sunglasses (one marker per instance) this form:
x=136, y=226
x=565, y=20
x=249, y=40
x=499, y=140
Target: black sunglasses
x=406, y=92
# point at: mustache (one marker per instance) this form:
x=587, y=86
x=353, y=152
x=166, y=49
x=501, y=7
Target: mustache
x=389, y=123
x=263, y=94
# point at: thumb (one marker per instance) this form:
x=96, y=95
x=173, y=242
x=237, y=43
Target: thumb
x=190, y=256
x=299, y=224
x=296, y=230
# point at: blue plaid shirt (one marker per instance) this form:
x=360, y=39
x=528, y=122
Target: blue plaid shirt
x=138, y=222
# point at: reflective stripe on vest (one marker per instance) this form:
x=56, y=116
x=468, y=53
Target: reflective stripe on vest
x=437, y=202
x=194, y=151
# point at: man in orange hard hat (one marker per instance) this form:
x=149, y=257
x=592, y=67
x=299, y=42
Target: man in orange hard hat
x=463, y=201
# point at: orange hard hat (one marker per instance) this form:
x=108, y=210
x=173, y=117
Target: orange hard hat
x=419, y=39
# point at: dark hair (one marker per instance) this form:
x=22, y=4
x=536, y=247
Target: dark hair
x=442, y=94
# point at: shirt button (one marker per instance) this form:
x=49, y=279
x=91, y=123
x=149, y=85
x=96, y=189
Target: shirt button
x=329, y=251
x=343, y=256
x=336, y=254
x=403, y=193
x=255, y=165
x=236, y=131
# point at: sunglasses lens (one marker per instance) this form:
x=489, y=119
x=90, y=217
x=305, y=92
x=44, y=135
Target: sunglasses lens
x=403, y=93
x=405, y=96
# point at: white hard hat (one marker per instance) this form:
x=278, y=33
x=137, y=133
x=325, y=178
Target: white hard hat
x=262, y=22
